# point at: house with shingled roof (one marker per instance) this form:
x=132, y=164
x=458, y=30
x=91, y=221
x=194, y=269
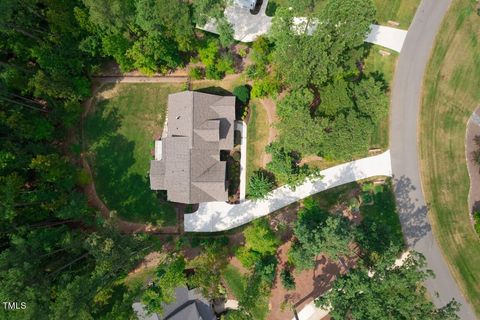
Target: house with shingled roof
x=187, y=159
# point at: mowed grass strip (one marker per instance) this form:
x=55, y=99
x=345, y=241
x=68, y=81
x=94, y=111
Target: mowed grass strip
x=451, y=93
x=120, y=133
x=257, y=137
x=382, y=68
x=401, y=11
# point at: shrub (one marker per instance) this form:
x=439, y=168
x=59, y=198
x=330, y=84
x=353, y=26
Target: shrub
x=211, y=72
x=287, y=279
x=225, y=64
x=242, y=52
x=476, y=219
x=236, y=156
x=247, y=257
x=268, y=87
x=259, y=185
x=255, y=71
x=242, y=93
x=195, y=73
x=476, y=157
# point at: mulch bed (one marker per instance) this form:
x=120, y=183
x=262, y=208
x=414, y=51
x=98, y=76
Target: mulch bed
x=473, y=130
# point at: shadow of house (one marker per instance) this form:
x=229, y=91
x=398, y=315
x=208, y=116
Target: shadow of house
x=112, y=156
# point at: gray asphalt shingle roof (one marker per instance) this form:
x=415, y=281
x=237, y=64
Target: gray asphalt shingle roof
x=199, y=126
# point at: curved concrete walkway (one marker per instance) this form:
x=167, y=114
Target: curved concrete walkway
x=221, y=216
x=406, y=98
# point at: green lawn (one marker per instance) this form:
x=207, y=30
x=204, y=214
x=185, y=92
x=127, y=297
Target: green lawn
x=257, y=137
x=382, y=68
x=273, y=5
x=234, y=280
x=119, y=137
x=451, y=93
x=401, y=11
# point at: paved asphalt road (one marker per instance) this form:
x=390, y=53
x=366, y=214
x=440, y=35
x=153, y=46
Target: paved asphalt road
x=406, y=95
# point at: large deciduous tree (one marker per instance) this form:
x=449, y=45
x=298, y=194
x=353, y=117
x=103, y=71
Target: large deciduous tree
x=385, y=292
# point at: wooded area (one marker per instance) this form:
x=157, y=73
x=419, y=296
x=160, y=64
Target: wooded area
x=57, y=253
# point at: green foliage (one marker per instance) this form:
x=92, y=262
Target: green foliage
x=206, y=9
x=476, y=221
x=149, y=35
x=335, y=98
x=225, y=64
x=242, y=93
x=288, y=281
x=168, y=276
x=259, y=185
x=208, y=266
x=285, y=168
x=216, y=65
x=349, y=137
x=226, y=32
x=319, y=232
x=269, y=87
x=260, y=238
x=391, y=292
x=195, y=73
x=370, y=99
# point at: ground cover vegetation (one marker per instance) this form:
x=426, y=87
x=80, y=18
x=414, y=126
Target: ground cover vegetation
x=119, y=134
x=450, y=96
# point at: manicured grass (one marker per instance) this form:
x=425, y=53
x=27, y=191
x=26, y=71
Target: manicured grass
x=234, y=280
x=382, y=69
x=451, y=93
x=401, y=11
x=119, y=137
x=257, y=137
x=273, y=5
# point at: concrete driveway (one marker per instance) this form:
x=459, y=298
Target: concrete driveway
x=247, y=27
x=221, y=216
x=406, y=97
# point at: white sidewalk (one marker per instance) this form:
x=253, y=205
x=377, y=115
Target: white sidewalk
x=221, y=216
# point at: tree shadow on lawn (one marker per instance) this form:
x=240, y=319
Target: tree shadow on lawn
x=122, y=191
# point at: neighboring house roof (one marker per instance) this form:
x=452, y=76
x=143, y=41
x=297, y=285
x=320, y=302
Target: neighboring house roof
x=248, y=4
x=188, y=305
x=199, y=126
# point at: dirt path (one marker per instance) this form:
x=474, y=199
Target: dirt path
x=473, y=130
x=90, y=191
x=269, y=106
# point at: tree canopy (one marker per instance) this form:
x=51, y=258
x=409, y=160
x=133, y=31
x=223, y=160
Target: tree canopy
x=386, y=291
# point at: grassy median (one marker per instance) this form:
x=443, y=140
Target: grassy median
x=451, y=93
